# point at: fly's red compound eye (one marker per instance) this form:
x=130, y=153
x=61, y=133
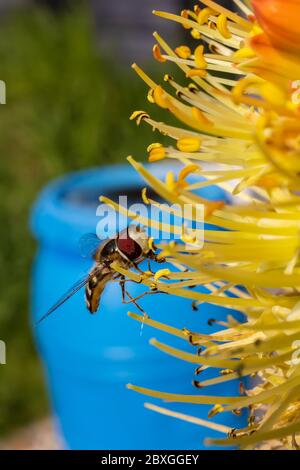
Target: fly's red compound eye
x=129, y=248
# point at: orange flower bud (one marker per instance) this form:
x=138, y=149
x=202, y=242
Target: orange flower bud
x=279, y=20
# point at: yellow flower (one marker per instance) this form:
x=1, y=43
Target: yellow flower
x=241, y=131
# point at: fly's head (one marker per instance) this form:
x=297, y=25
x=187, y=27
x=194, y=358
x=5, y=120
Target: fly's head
x=133, y=244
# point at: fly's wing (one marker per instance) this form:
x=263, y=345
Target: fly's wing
x=75, y=288
x=88, y=245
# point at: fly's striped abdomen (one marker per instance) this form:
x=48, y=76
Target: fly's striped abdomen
x=97, y=281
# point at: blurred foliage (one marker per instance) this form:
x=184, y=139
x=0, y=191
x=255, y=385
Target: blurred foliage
x=66, y=109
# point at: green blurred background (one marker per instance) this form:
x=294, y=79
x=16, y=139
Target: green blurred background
x=70, y=92
x=67, y=108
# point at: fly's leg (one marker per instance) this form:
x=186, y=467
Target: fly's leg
x=152, y=255
x=149, y=267
x=139, y=297
x=117, y=278
x=157, y=260
x=132, y=300
x=137, y=267
x=126, y=281
x=122, y=284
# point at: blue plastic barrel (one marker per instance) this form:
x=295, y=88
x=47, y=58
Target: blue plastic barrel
x=89, y=359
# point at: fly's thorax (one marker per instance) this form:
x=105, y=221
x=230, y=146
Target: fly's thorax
x=105, y=251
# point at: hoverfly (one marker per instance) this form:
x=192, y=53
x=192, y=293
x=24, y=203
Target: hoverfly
x=128, y=248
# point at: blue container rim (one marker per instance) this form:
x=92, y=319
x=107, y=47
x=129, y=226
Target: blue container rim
x=56, y=216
